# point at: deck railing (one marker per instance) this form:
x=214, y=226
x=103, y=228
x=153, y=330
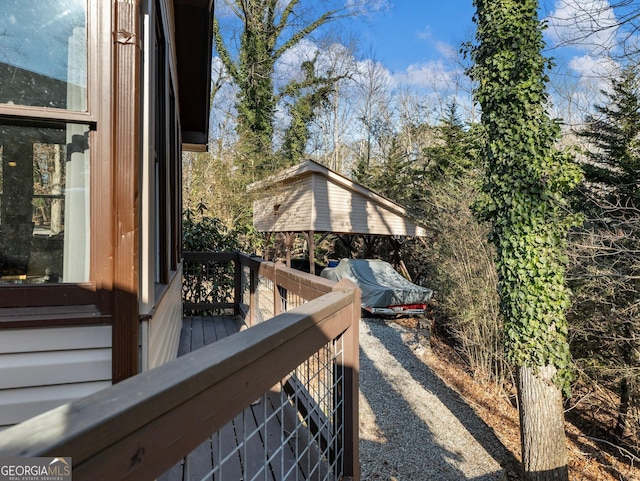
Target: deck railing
x=307, y=353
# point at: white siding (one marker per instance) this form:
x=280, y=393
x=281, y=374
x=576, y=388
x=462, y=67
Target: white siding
x=165, y=325
x=17, y=405
x=45, y=367
x=285, y=208
x=54, y=338
x=310, y=197
x=350, y=212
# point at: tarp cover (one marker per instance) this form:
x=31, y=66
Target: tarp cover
x=380, y=283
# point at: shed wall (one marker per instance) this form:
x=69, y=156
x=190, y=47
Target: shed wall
x=350, y=212
x=285, y=208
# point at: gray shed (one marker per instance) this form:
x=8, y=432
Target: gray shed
x=311, y=198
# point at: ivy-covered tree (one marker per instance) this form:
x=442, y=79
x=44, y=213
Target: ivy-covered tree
x=525, y=183
x=303, y=100
x=269, y=29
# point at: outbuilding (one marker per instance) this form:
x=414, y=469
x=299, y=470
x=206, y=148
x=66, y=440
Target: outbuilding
x=310, y=198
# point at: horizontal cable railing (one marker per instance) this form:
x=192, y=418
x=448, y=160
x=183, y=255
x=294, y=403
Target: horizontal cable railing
x=287, y=389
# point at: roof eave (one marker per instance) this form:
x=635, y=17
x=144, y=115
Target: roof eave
x=193, y=30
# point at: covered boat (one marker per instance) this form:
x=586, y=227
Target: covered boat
x=384, y=290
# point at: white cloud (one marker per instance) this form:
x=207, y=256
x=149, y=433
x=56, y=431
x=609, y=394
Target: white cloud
x=590, y=25
x=367, y=67
x=432, y=75
x=367, y=6
x=288, y=66
x=425, y=33
x=580, y=85
x=589, y=66
x=446, y=50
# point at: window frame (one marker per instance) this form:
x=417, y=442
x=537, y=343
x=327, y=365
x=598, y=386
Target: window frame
x=167, y=233
x=96, y=291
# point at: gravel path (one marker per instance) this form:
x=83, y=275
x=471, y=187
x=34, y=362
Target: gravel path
x=413, y=427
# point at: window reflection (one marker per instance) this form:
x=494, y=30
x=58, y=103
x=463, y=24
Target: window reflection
x=44, y=204
x=43, y=54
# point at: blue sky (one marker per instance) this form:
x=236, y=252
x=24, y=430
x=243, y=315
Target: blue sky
x=405, y=34
x=418, y=36
x=418, y=42
x=415, y=46
x=412, y=32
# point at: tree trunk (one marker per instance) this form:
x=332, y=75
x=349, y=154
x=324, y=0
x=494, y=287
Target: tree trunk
x=544, y=450
x=623, y=408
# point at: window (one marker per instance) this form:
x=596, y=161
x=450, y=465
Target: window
x=44, y=207
x=167, y=186
x=43, y=54
x=44, y=158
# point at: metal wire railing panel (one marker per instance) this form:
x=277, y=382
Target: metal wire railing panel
x=294, y=431
x=264, y=299
x=285, y=435
x=207, y=286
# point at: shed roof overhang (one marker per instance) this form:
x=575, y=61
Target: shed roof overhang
x=193, y=24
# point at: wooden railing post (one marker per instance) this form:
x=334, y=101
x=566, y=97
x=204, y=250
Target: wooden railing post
x=253, y=281
x=350, y=369
x=277, y=299
x=237, y=290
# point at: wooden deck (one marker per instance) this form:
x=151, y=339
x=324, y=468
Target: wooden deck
x=263, y=455
x=297, y=371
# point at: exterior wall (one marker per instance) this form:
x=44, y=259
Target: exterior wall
x=350, y=212
x=45, y=367
x=165, y=325
x=46, y=364
x=285, y=208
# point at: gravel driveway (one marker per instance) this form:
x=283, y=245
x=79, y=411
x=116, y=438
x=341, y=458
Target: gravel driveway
x=412, y=426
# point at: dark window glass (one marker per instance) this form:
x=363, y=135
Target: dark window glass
x=44, y=204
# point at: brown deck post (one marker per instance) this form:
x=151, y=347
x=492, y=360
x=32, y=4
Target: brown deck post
x=351, y=370
x=126, y=194
x=253, y=278
x=288, y=243
x=265, y=251
x=277, y=302
x=237, y=290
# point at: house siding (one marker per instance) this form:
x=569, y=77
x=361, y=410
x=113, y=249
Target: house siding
x=45, y=367
x=165, y=325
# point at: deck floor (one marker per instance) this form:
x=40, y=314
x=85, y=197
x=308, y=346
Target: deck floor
x=201, y=331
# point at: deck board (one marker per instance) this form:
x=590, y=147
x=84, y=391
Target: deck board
x=200, y=331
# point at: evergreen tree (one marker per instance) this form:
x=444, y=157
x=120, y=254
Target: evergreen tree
x=392, y=178
x=614, y=132
x=606, y=268
x=450, y=156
